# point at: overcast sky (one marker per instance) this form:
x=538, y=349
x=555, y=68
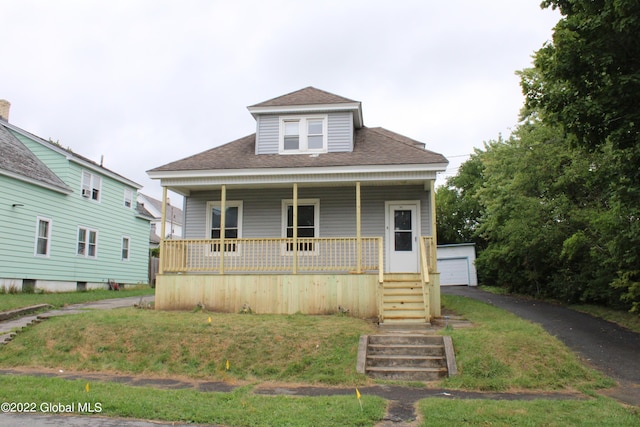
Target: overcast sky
x=147, y=82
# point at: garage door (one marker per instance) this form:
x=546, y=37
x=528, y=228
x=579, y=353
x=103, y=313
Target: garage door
x=454, y=271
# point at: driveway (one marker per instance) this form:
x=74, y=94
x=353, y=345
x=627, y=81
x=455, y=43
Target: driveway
x=605, y=346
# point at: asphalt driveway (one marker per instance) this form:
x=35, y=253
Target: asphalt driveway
x=607, y=347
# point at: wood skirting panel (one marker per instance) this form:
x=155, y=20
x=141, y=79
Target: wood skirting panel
x=270, y=293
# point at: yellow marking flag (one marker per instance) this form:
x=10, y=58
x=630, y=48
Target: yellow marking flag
x=358, y=395
x=227, y=365
x=209, y=319
x=87, y=388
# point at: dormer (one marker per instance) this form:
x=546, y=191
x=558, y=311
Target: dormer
x=308, y=121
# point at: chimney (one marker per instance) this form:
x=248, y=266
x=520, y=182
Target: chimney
x=4, y=109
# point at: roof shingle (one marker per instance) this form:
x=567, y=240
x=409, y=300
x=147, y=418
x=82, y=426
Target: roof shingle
x=306, y=96
x=373, y=146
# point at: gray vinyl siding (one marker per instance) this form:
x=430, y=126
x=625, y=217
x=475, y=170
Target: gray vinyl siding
x=339, y=136
x=262, y=210
x=268, y=127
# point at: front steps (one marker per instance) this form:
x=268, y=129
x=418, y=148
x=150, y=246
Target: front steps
x=406, y=357
x=402, y=300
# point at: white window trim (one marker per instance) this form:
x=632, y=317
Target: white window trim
x=128, y=192
x=49, y=229
x=95, y=182
x=228, y=204
x=303, y=147
x=122, y=248
x=86, y=252
x=316, y=220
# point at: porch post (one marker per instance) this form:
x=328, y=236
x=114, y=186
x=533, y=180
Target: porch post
x=295, y=228
x=358, y=229
x=223, y=220
x=163, y=217
x=434, y=229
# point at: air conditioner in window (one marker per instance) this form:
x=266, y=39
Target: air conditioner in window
x=86, y=193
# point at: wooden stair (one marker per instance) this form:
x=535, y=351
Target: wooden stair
x=402, y=300
x=407, y=357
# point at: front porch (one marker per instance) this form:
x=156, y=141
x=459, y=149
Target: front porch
x=297, y=275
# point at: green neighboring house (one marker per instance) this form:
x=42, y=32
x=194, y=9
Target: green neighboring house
x=69, y=223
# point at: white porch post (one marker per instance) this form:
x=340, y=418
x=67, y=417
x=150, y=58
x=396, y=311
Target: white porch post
x=358, y=229
x=163, y=227
x=295, y=228
x=223, y=219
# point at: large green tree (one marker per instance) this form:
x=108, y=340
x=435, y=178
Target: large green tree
x=587, y=81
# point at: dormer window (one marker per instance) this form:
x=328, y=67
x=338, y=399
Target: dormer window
x=303, y=134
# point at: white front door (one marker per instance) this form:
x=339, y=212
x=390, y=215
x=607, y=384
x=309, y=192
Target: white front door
x=402, y=237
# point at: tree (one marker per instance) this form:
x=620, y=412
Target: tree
x=457, y=209
x=587, y=81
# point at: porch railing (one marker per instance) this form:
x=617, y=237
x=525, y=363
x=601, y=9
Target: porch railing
x=276, y=255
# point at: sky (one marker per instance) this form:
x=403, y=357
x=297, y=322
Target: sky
x=147, y=82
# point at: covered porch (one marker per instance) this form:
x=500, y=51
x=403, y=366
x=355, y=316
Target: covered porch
x=314, y=275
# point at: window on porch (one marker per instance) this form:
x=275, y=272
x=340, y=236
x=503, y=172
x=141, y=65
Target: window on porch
x=308, y=221
x=233, y=224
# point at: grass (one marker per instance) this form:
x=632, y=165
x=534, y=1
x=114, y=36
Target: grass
x=599, y=412
x=503, y=352
x=238, y=408
x=500, y=353
x=58, y=299
x=623, y=318
x=299, y=348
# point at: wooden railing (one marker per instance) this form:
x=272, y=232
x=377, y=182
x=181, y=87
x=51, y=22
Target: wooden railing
x=278, y=255
x=427, y=264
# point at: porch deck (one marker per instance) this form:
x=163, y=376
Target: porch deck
x=285, y=275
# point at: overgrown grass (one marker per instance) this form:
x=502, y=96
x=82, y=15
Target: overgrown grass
x=599, y=412
x=59, y=299
x=238, y=408
x=504, y=352
x=312, y=349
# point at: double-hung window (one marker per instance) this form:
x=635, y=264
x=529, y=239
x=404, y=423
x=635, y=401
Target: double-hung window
x=43, y=237
x=91, y=186
x=303, y=134
x=308, y=222
x=87, y=242
x=232, y=227
x=128, y=198
x=125, y=248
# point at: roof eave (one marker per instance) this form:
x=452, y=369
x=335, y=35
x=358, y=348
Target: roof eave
x=355, y=107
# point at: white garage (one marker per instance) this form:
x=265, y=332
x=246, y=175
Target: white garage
x=456, y=264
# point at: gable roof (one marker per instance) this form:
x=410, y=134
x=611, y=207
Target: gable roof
x=173, y=213
x=308, y=100
x=70, y=155
x=373, y=146
x=18, y=162
x=306, y=96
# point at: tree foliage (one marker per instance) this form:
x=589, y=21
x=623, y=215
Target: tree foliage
x=557, y=205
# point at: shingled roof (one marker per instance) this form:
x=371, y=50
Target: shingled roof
x=306, y=96
x=18, y=161
x=373, y=146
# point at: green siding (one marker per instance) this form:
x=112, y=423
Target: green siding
x=67, y=212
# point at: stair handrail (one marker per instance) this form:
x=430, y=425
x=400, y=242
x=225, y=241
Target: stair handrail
x=424, y=270
x=380, y=280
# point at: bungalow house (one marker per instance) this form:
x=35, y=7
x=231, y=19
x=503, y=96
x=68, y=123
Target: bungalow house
x=313, y=213
x=68, y=223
